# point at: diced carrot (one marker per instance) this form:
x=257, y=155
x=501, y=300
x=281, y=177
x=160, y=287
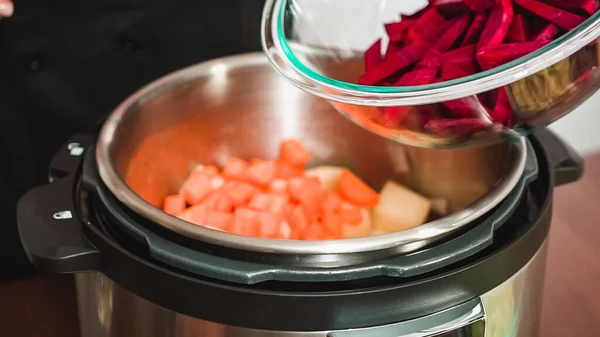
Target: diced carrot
x=196, y=188
x=297, y=219
x=240, y=193
x=285, y=232
x=260, y=201
x=278, y=185
x=278, y=203
x=331, y=202
x=351, y=215
x=314, y=181
x=287, y=210
x=269, y=224
x=261, y=173
x=311, y=202
x=246, y=222
x=234, y=167
x=218, y=202
x=174, y=204
x=297, y=187
x=356, y=192
x=286, y=170
x=292, y=152
x=313, y=232
x=217, y=182
x=332, y=224
x=219, y=220
x=206, y=170
x=196, y=214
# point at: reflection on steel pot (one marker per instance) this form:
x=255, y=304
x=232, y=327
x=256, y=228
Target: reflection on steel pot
x=138, y=277
x=238, y=107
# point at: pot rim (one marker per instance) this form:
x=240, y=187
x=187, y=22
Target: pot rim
x=405, y=241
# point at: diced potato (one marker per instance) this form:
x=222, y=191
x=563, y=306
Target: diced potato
x=329, y=176
x=360, y=230
x=400, y=208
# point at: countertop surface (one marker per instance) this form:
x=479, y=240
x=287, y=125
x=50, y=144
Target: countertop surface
x=44, y=306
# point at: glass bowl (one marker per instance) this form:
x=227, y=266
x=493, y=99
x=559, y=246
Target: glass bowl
x=318, y=45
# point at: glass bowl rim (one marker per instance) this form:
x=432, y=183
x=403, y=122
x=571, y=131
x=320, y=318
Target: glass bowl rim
x=347, y=92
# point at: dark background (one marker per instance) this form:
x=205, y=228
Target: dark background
x=64, y=64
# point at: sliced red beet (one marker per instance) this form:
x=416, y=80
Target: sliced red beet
x=492, y=56
x=461, y=108
x=418, y=77
x=396, y=62
x=431, y=59
x=373, y=55
x=502, y=112
x=459, y=63
x=472, y=35
x=581, y=7
x=559, y=17
x=450, y=6
x=392, y=48
x=497, y=24
x=396, y=31
x=518, y=30
x=480, y=5
x=427, y=27
x=395, y=114
x=547, y=33
x=453, y=33
x=416, y=14
x=455, y=127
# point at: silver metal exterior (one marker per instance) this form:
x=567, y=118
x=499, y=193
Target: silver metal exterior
x=511, y=309
x=239, y=106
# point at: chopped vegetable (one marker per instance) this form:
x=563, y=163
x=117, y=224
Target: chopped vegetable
x=400, y=208
x=394, y=63
x=174, y=204
x=355, y=191
x=455, y=127
x=196, y=188
x=475, y=29
x=480, y=5
x=360, y=229
x=427, y=27
x=396, y=31
x=518, y=29
x=450, y=6
x=459, y=63
x=582, y=7
x=432, y=59
x=502, y=112
x=497, y=25
x=559, y=17
x=293, y=153
x=452, y=35
x=492, y=56
x=373, y=55
x=418, y=77
x=547, y=33
x=277, y=199
x=329, y=176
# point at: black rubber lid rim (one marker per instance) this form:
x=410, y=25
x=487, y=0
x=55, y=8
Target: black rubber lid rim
x=288, y=310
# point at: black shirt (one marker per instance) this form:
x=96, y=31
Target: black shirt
x=65, y=64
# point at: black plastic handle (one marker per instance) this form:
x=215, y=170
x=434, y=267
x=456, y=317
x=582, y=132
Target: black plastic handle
x=50, y=230
x=49, y=227
x=567, y=163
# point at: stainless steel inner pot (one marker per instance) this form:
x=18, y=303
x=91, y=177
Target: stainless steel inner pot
x=238, y=106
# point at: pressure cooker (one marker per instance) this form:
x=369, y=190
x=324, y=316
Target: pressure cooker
x=477, y=271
